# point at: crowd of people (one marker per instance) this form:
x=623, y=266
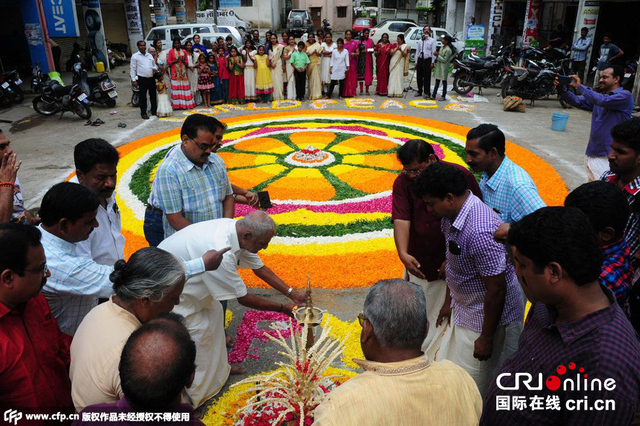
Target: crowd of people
x=84, y=331
x=262, y=70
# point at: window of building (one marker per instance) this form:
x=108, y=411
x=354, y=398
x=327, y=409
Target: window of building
x=342, y=12
x=246, y=3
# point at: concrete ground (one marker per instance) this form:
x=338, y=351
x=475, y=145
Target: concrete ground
x=45, y=146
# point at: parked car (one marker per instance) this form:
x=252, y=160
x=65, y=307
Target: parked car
x=393, y=27
x=236, y=21
x=362, y=23
x=414, y=34
x=234, y=32
x=167, y=33
x=299, y=22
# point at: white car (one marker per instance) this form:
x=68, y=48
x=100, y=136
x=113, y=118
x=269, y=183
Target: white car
x=393, y=27
x=413, y=36
x=233, y=31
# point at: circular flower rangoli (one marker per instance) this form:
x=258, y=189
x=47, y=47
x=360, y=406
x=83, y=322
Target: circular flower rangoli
x=329, y=175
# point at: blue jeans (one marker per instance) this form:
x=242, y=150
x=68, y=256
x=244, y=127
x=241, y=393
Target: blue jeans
x=153, y=230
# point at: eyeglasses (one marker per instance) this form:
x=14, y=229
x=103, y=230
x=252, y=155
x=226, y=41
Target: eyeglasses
x=4, y=146
x=454, y=248
x=413, y=172
x=361, y=319
x=206, y=146
x=44, y=270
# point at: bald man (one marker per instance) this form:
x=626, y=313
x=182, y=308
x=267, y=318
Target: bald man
x=157, y=363
x=203, y=298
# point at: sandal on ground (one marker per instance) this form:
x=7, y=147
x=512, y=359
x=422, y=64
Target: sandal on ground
x=88, y=123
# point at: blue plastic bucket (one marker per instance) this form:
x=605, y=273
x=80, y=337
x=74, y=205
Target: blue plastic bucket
x=559, y=121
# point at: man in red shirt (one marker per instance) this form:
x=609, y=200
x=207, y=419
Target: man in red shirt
x=419, y=240
x=34, y=365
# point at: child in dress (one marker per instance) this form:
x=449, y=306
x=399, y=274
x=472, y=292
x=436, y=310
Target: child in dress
x=215, y=96
x=264, y=84
x=223, y=73
x=236, y=77
x=205, y=85
x=164, y=105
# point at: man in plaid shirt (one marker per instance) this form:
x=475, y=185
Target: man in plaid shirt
x=484, y=300
x=578, y=351
x=608, y=212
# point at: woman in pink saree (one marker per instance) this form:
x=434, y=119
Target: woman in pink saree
x=382, y=65
x=351, y=80
x=368, y=50
x=177, y=60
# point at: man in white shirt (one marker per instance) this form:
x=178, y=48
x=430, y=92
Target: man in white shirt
x=68, y=214
x=143, y=66
x=425, y=55
x=96, y=163
x=200, y=302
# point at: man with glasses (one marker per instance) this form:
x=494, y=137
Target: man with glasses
x=416, y=231
x=10, y=191
x=484, y=298
x=191, y=184
x=400, y=384
x=35, y=354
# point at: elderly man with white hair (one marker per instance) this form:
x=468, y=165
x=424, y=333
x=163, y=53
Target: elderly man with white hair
x=400, y=384
x=200, y=302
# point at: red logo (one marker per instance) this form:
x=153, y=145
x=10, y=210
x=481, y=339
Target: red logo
x=553, y=382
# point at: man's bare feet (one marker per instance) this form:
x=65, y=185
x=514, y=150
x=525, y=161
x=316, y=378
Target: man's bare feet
x=237, y=369
x=230, y=341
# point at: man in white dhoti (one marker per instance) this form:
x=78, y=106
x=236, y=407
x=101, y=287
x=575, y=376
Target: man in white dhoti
x=200, y=302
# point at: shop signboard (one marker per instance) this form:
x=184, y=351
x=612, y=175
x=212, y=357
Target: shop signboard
x=160, y=12
x=475, y=39
x=531, y=23
x=230, y=3
x=226, y=17
x=134, y=23
x=495, y=21
x=33, y=33
x=95, y=31
x=61, y=18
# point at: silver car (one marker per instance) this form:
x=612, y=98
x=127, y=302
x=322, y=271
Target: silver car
x=414, y=34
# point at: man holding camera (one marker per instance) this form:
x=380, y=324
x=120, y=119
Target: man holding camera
x=610, y=106
x=425, y=55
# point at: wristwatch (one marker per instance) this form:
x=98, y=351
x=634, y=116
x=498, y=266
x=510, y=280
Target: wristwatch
x=289, y=291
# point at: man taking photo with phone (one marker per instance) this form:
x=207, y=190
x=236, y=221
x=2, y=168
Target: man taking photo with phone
x=610, y=106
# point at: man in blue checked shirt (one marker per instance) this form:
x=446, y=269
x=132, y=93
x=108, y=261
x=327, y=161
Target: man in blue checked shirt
x=505, y=186
x=580, y=51
x=68, y=214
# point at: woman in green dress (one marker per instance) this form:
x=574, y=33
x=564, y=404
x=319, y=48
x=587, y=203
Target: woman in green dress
x=441, y=69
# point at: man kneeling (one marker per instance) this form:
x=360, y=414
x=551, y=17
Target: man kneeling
x=400, y=385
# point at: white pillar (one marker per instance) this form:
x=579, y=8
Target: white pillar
x=469, y=11
x=452, y=6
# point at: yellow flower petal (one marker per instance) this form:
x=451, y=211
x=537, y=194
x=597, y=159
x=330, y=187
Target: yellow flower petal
x=367, y=180
x=236, y=159
x=363, y=143
x=249, y=178
x=301, y=184
x=317, y=139
x=267, y=145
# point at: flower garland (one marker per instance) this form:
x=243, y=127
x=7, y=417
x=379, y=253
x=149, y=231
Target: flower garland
x=424, y=104
x=285, y=104
x=392, y=103
x=323, y=103
x=360, y=103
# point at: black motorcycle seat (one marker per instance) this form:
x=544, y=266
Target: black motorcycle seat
x=60, y=90
x=97, y=79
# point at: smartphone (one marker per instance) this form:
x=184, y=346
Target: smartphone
x=264, y=200
x=564, y=80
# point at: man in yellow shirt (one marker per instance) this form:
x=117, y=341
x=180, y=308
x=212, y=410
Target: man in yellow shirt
x=400, y=385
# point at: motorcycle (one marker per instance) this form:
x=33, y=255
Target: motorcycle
x=74, y=58
x=100, y=89
x=117, y=51
x=479, y=72
x=58, y=98
x=38, y=81
x=10, y=85
x=630, y=69
x=536, y=81
x=326, y=26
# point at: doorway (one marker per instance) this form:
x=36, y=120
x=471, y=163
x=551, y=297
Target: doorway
x=316, y=14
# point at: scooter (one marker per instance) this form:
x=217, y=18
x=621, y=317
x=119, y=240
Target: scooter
x=58, y=98
x=100, y=89
x=326, y=26
x=10, y=83
x=38, y=81
x=135, y=96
